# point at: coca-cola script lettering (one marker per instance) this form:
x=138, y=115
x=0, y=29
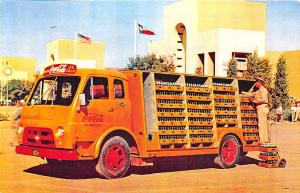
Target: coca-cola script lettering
x=60, y=69
x=93, y=118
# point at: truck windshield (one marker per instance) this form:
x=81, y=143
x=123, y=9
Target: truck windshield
x=57, y=90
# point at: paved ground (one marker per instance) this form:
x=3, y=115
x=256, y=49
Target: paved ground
x=31, y=175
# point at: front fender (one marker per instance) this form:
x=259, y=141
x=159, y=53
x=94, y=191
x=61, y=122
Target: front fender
x=100, y=140
x=237, y=132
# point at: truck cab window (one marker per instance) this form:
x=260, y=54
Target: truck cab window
x=53, y=90
x=96, y=88
x=118, y=89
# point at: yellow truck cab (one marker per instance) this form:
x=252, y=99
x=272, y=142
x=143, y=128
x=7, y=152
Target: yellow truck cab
x=123, y=118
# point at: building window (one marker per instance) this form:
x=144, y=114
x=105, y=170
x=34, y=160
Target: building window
x=212, y=65
x=201, y=62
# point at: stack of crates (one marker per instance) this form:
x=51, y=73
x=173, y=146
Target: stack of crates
x=268, y=156
x=187, y=111
x=170, y=103
x=200, y=117
x=249, y=120
x=226, y=113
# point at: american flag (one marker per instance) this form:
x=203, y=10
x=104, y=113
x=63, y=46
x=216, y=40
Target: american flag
x=84, y=39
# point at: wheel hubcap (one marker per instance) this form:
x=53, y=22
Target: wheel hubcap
x=229, y=151
x=115, y=158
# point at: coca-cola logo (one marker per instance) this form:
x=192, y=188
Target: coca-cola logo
x=60, y=69
x=93, y=118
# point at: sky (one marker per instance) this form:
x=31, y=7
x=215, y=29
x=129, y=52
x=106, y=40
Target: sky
x=27, y=26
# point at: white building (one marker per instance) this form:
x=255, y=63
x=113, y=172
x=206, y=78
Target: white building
x=206, y=34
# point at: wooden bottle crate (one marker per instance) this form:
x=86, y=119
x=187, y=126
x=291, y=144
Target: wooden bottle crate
x=249, y=122
x=226, y=121
x=171, y=114
x=169, y=88
x=172, y=132
x=268, y=149
x=168, y=106
x=170, y=97
x=200, y=90
x=225, y=89
x=225, y=104
x=265, y=165
x=225, y=112
x=193, y=106
x=268, y=158
x=204, y=115
x=201, y=140
x=251, y=138
x=172, y=141
x=250, y=130
x=198, y=123
x=201, y=131
x=228, y=97
x=171, y=123
x=199, y=98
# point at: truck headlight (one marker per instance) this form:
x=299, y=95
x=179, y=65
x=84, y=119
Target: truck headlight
x=60, y=132
x=20, y=130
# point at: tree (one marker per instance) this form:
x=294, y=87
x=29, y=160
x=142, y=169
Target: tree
x=232, y=68
x=152, y=62
x=17, y=89
x=259, y=67
x=280, y=91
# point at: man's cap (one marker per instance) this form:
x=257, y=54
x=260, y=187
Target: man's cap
x=259, y=79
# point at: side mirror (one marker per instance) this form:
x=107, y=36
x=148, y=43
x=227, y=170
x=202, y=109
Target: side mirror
x=82, y=100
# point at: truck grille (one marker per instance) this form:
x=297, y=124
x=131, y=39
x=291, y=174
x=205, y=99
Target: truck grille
x=35, y=136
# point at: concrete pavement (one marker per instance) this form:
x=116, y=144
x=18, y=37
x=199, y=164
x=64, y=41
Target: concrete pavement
x=31, y=175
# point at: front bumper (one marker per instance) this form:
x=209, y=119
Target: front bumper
x=59, y=154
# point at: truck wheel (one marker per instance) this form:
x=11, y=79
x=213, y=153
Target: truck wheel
x=114, y=158
x=229, y=152
x=282, y=163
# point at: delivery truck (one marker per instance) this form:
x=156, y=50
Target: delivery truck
x=133, y=117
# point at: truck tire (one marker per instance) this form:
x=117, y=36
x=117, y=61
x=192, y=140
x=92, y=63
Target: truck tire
x=229, y=152
x=114, y=158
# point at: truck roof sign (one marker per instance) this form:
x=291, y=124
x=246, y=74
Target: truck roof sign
x=60, y=69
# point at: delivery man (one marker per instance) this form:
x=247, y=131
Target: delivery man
x=260, y=98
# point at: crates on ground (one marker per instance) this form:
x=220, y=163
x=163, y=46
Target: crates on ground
x=269, y=156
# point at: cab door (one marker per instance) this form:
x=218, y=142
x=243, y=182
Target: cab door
x=121, y=103
x=96, y=116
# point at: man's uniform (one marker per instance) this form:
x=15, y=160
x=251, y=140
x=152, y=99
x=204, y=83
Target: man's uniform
x=262, y=109
x=261, y=101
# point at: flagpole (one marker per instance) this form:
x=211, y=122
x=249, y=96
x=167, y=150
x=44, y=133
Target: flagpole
x=135, y=35
x=75, y=48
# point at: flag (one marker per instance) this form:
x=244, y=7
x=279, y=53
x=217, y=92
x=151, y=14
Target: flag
x=142, y=30
x=84, y=39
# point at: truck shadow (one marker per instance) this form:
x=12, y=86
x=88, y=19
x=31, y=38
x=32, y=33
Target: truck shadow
x=65, y=171
x=185, y=163
x=87, y=170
